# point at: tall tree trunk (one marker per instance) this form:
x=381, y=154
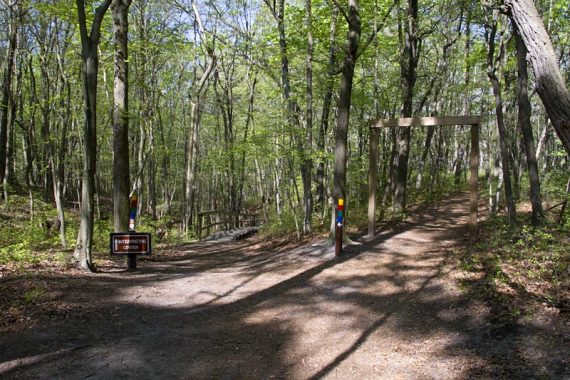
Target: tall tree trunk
x=121, y=166
x=248, y=123
x=503, y=147
x=9, y=70
x=10, y=173
x=196, y=99
x=526, y=128
x=408, y=76
x=89, y=44
x=307, y=164
x=325, y=115
x=293, y=109
x=550, y=84
x=58, y=160
x=341, y=131
x=543, y=140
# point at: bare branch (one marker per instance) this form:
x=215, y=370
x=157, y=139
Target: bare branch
x=341, y=9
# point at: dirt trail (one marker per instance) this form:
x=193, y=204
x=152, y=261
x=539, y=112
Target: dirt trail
x=239, y=310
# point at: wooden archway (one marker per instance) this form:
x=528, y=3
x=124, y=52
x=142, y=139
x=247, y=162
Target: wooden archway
x=473, y=121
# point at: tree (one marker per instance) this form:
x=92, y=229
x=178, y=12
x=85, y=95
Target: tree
x=196, y=103
x=526, y=129
x=7, y=95
x=307, y=164
x=352, y=17
x=549, y=81
x=409, y=56
x=293, y=112
x=121, y=178
x=89, y=72
x=326, y=110
x=492, y=62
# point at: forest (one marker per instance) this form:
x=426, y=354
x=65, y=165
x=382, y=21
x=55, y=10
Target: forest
x=429, y=139
x=265, y=107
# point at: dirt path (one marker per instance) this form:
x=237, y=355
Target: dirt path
x=387, y=309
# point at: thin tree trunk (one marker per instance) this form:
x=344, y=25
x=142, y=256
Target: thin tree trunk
x=408, y=76
x=89, y=44
x=6, y=100
x=195, y=118
x=503, y=148
x=58, y=166
x=307, y=164
x=248, y=123
x=341, y=131
x=325, y=116
x=121, y=167
x=526, y=129
x=293, y=109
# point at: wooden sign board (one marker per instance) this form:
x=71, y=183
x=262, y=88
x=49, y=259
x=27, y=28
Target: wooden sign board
x=131, y=243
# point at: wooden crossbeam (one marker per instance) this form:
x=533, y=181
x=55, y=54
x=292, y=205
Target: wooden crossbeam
x=473, y=121
x=427, y=121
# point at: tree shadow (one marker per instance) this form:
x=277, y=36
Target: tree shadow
x=290, y=313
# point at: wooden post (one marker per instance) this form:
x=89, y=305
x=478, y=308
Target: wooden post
x=473, y=179
x=474, y=121
x=372, y=174
x=199, y=225
x=338, y=227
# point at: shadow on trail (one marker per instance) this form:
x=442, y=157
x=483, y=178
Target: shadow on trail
x=314, y=317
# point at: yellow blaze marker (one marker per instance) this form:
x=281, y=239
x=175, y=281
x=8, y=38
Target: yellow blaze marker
x=341, y=202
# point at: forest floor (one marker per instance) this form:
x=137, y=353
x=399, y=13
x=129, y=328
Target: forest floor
x=390, y=308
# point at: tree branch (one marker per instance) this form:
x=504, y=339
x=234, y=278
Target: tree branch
x=375, y=31
x=82, y=24
x=97, y=20
x=341, y=9
x=271, y=9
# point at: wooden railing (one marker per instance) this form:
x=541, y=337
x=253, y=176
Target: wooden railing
x=227, y=219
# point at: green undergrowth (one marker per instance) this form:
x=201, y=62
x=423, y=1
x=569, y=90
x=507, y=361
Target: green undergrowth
x=28, y=240
x=25, y=240
x=520, y=268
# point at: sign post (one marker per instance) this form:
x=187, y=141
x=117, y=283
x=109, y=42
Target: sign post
x=131, y=244
x=338, y=228
x=133, y=211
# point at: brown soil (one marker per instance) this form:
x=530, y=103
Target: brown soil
x=389, y=308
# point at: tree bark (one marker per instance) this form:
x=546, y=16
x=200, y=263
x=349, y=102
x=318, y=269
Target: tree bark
x=325, y=115
x=121, y=165
x=89, y=71
x=293, y=112
x=58, y=153
x=196, y=99
x=408, y=75
x=307, y=164
x=526, y=129
x=550, y=84
x=15, y=10
x=503, y=147
x=341, y=131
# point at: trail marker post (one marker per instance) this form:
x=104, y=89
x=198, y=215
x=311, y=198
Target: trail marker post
x=131, y=244
x=338, y=227
x=133, y=211
x=132, y=257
